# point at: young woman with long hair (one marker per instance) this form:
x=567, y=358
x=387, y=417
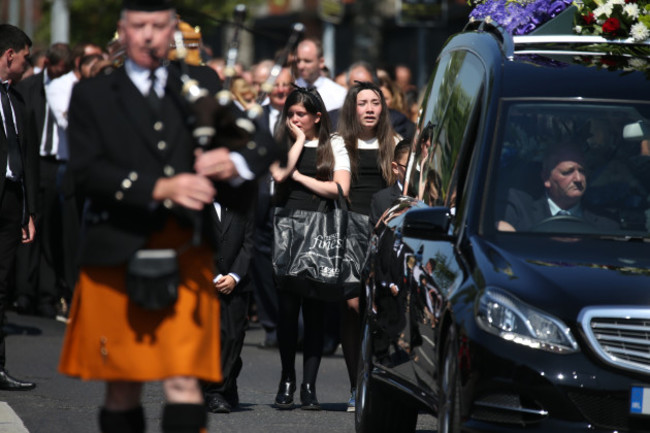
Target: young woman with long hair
x=314, y=167
x=366, y=132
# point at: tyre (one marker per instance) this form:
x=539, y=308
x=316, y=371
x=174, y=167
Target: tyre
x=449, y=404
x=376, y=410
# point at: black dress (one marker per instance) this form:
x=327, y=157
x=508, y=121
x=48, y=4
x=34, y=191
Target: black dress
x=294, y=195
x=368, y=181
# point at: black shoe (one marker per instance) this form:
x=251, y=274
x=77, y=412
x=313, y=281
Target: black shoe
x=23, y=305
x=308, y=397
x=217, y=404
x=284, y=398
x=8, y=383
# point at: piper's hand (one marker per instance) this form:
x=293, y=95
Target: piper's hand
x=216, y=164
x=186, y=189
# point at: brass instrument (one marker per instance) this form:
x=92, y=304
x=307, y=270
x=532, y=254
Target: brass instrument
x=191, y=44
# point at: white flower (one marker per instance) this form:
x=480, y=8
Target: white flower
x=605, y=9
x=616, y=2
x=632, y=10
x=639, y=32
x=488, y=19
x=637, y=63
x=608, y=7
x=577, y=29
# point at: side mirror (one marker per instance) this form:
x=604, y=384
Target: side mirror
x=639, y=130
x=429, y=223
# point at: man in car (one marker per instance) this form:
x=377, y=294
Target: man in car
x=565, y=182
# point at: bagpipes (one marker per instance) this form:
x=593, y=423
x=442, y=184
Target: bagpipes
x=217, y=122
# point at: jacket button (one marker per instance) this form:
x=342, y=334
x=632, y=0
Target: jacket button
x=169, y=171
x=158, y=126
x=162, y=145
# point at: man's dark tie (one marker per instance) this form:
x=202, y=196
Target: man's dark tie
x=47, y=147
x=13, y=147
x=152, y=96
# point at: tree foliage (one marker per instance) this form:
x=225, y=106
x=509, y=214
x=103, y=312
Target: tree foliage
x=95, y=20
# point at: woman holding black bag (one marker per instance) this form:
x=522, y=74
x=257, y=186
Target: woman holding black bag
x=314, y=168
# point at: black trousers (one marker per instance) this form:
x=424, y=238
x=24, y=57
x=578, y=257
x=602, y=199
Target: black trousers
x=11, y=213
x=266, y=295
x=44, y=268
x=234, y=320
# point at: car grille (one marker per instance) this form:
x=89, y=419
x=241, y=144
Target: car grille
x=619, y=336
x=605, y=411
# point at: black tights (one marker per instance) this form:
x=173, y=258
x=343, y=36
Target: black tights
x=351, y=341
x=313, y=313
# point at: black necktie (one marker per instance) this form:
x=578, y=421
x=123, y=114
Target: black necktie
x=15, y=160
x=49, y=124
x=152, y=96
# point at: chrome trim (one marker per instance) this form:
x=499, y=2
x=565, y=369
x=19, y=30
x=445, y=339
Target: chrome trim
x=635, y=358
x=573, y=39
x=540, y=412
x=558, y=52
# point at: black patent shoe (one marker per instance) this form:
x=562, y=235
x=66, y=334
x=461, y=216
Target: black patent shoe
x=218, y=404
x=8, y=383
x=308, y=397
x=284, y=398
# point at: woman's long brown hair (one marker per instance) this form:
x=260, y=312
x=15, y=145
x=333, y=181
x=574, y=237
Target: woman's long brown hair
x=350, y=130
x=313, y=103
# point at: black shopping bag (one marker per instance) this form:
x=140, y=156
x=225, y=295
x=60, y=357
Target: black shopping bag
x=328, y=248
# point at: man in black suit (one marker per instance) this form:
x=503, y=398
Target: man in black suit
x=565, y=182
x=233, y=245
x=41, y=278
x=384, y=198
x=17, y=186
x=266, y=297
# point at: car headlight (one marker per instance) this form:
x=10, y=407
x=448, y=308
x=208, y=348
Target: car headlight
x=504, y=315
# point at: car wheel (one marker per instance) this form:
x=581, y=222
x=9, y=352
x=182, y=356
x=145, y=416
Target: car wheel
x=376, y=411
x=449, y=404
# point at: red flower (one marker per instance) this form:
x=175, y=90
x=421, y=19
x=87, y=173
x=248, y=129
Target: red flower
x=612, y=25
x=609, y=61
x=589, y=19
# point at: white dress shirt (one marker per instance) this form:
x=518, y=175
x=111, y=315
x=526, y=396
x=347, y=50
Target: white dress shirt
x=333, y=94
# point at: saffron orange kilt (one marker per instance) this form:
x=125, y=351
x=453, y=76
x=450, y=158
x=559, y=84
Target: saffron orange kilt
x=109, y=338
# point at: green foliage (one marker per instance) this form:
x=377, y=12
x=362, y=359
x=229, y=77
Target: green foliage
x=96, y=20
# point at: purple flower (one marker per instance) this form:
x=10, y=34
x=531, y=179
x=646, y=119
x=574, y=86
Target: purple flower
x=556, y=7
x=519, y=17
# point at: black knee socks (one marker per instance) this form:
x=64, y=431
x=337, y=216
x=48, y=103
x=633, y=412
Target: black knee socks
x=126, y=421
x=184, y=418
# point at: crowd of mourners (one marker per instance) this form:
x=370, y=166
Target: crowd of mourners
x=348, y=134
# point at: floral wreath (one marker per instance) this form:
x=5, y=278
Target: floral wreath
x=611, y=19
x=614, y=19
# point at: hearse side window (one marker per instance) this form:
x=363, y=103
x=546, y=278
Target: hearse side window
x=432, y=103
x=442, y=167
